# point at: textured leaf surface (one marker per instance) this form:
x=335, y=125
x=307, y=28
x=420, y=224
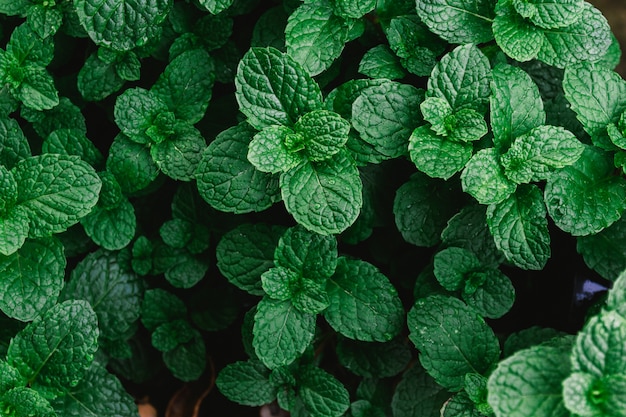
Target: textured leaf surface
x=605, y=252
x=417, y=394
x=56, y=191
x=446, y=352
x=437, y=156
x=458, y=21
x=281, y=332
x=23, y=401
x=325, y=197
x=516, y=36
x=32, y=278
x=309, y=254
x=13, y=143
x=273, y=89
x=13, y=230
x=159, y=307
x=462, y=78
x=363, y=303
x=131, y=163
x=268, y=151
x=114, y=293
x=188, y=360
x=56, y=349
x=72, y=141
x=483, y=178
x=111, y=229
x=520, y=228
x=516, y=105
x=315, y=36
x=99, y=393
x=452, y=265
x=321, y=393
x=246, y=383
x=228, y=181
x=374, y=360
x=385, y=116
x=179, y=156
x=122, y=24
x=246, y=252
x=98, y=79
x=586, y=197
x=324, y=133
x=495, y=295
x=550, y=14
x=529, y=383
x=381, y=62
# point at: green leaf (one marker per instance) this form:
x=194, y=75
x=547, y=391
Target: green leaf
x=325, y=197
x=181, y=268
x=14, y=226
x=587, y=39
x=435, y=110
x=446, y=352
x=315, y=36
x=437, y=156
x=113, y=292
x=37, y=91
x=604, y=252
x=273, y=89
x=309, y=254
x=99, y=393
x=550, y=14
x=228, y=181
x=56, y=349
x=452, y=267
x=381, y=62
x=14, y=7
x=354, y=8
x=179, y=156
x=73, y=142
x=536, y=154
x=466, y=125
x=188, y=360
x=279, y=283
x=122, y=24
x=484, y=179
x=489, y=292
x=111, y=228
x=135, y=112
x=216, y=6
x=44, y=21
x=597, y=96
x=527, y=338
x=186, y=84
x=66, y=115
x=422, y=207
x=586, y=395
x=131, y=163
x=520, y=228
x=586, y=197
x=269, y=151
x=516, y=105
x=321, y=393
x=281, y=332
x=29, y=49
x=246, y=252
x=515, y=35
x=324, y=134
x=417, y=394
x=385, y=116
x=169, y=335
x=56, y=191
x=98, y=79
x=246, y=383
x=22, y=401
x=363, y=303
x=159, y=307
x=32, y=278
x=13, y=143
x=529, y=383
x=458, y=21
x=374, y=360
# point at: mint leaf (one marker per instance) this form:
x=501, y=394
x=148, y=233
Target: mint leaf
x=98, y=393
x=385, y=116
x=489, y=292
x=452, y=265
x=13, y=143
x=246, y=383
x=22, y=401
x=381, y=62
x=56, y=191
x=216, y=6
x=458, y=21
x=311, y=255
x=484, y=179
x=179, y=156
x=550, y=14
x=186, y=84
x=37, y=90
x=72, y=141
x=181, y=268
x=587, y=396
x=281, y=332
x=422, y=207
x=121, y=24
x=461, y=77
x=279, y=283
x=587, y=39
x=14, y=7
x=228, y=181
x=55, y=350
x=596, y=95
x=14, y=226
x=374, y=360
x=520, y=228
x=321, y=393
x=447, y=353
x=159, y=307
x=435, y=110
x=516, y=105
x=113, y=292
x=586, y=197
x=269, y=151
x=44, y=20
x=246, y=252
x=111, y=228
x=32, y=278
x=169, y=335
x=604, y=251
x=273, y=89
x=517, y=36
x=437, y=156
x=417, y=394
x=363, y=303
x=354, y=8
x=323, y=134
x=98, y=79
x=529, y=382
x=325, y=197
x=188, y=360
x=527, y=338
x=135, y=112
x=131, y=164
x=315, y=36
x=534, y=155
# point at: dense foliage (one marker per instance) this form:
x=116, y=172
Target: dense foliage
x=361, y=191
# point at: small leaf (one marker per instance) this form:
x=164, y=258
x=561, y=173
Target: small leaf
x=483, y=178
x=188, y=360
x=23, y=401
x=311, y=255
x=178, y=157
x=516, y=36
x=457, y=21
x=111, y=228
x=98, y=79
x=269, y=149
x=550, y=14
x=321, y=393
x=159, y=307
x=73, y=142
x=452, y=267
x=246, y=383
x=604, y=251
x=135, y=111
x=131, y=164
x=323, y=132
x=437, y=156
x=381, y=62
x=374, y=360
x=417, y=394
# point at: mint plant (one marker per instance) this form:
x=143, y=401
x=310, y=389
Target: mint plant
x=334, y=207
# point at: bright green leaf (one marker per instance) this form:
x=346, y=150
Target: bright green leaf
x=437, y=156
x=483, y=178
x=458, y=21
